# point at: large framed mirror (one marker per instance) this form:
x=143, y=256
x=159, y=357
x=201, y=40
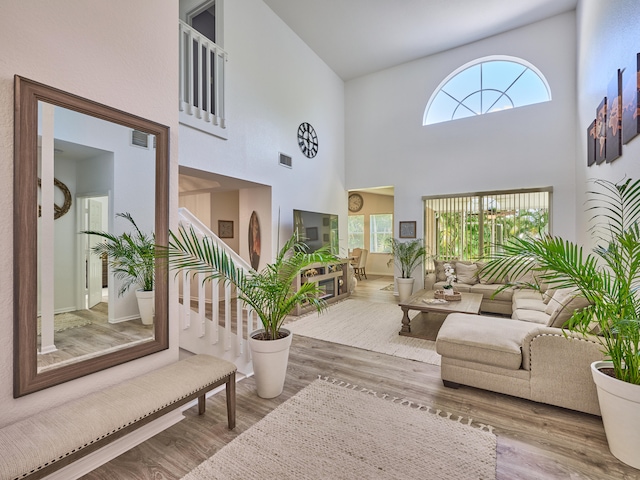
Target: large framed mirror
x=78, y=166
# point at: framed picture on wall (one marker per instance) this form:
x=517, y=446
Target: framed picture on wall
x=225, y=228
x=601, y=131
x=614, y=118
x=407, y=229
x=631, y=100
x=591, y=144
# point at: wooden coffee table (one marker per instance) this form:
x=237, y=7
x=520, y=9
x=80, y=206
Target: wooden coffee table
x=469, y=303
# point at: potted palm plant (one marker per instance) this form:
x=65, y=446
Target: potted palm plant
x=131, y=257
x=406, y=256
x=270, y=293
x=609, y=279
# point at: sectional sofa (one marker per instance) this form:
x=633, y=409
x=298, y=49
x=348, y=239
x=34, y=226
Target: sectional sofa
x=525, y=352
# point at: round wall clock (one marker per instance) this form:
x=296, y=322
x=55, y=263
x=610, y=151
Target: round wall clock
x=355, y=202
x=307, y=140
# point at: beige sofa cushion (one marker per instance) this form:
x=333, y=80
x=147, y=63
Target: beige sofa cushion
x=564, y=312
x=485, y=278
x=529, y=304
x=560, y=296
x=483, y=339
x=527, y=293
x=548, y=294
x=466, y=273
x=531, y=316
x=487, y=290
x=439, y=268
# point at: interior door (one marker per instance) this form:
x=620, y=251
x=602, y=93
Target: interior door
x=94, y=262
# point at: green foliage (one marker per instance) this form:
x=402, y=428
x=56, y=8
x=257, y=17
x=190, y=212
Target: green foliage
x=131, y=256
x=608, y=277
x=271, y=293
x=458, y=233
x=406, y=255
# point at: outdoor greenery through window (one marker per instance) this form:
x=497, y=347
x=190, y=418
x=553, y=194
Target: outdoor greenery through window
x=381, y=230
x=356, y=231
x=473, y=226
x=486, y=85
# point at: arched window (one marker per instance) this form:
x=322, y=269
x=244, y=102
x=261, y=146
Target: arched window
x=486, y=85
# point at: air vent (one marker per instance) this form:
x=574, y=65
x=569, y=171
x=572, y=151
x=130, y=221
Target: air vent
x=285, y=161
x=139, y=139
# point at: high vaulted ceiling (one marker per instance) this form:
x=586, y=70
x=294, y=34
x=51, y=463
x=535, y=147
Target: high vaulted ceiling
x=357, y=37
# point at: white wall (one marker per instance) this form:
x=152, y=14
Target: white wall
x=274, y=83
x=119, y=53
x=609, y=39
x=521, y=148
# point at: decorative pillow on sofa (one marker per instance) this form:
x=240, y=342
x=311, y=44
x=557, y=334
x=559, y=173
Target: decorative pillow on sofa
x=439, y=268
x=572, y=303
x=485, y=278
x=467, y=272
x=547, y=295
x=560, y=296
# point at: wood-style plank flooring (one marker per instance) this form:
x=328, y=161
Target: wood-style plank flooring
x=535, y=441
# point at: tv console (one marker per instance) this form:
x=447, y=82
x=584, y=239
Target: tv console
x=332, y=278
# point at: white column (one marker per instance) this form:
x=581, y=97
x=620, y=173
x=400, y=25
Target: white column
x=46, y=233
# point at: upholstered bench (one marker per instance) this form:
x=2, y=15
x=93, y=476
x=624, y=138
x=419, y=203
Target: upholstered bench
x=43, y=443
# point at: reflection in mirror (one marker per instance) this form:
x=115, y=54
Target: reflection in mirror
x=80, y=312
x=76, y=164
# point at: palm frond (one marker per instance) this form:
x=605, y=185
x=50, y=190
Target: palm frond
x=609, y=276
x=270, y=293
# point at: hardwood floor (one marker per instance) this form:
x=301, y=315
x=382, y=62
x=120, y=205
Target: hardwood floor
x=535, y=441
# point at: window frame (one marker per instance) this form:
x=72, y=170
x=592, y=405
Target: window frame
x=373, y=234
x=479, y=61
x=349, y=233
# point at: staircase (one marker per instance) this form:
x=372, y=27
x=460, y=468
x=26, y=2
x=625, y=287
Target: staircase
x=212, y=321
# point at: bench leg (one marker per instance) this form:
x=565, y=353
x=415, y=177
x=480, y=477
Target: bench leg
x=449, y=384
x=202, y=404
x=231, y=400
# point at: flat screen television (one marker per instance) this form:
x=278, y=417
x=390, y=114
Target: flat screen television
x=317, y=229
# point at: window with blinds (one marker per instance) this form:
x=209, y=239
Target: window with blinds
x=472, y=226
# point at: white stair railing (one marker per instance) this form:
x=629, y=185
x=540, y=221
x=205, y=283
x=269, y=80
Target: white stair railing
x=214, y=333
x=202, y=78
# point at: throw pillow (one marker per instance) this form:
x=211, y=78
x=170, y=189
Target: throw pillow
x=467, y=273
x=548, y=293
x=486, y=278
x=524, y=278
x=439, y=268
x=560, y=296
x=572, y=303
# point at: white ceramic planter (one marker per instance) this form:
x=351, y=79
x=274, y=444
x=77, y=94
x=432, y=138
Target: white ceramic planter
x=270, y=359
x=146, y=305
x=405, y=288
x=619, y=405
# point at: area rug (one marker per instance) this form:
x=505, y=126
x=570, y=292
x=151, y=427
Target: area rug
x=333, y=430
x=389, y=288
x=367, y=325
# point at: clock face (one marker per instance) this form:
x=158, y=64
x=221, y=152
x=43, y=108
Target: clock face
x=307, y=140
x=355, y=202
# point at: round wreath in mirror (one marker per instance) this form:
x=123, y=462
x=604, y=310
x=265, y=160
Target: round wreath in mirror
x=59, y=210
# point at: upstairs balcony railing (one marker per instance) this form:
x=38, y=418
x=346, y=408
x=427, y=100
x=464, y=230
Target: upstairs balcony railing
x=202, y=81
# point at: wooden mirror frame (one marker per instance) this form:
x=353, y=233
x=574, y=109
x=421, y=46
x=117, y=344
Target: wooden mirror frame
x=26, y=378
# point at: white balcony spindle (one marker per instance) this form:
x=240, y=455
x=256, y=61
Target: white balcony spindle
x=199, y=55
x=186, y=300
x=202, y=305
x=215, y=312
